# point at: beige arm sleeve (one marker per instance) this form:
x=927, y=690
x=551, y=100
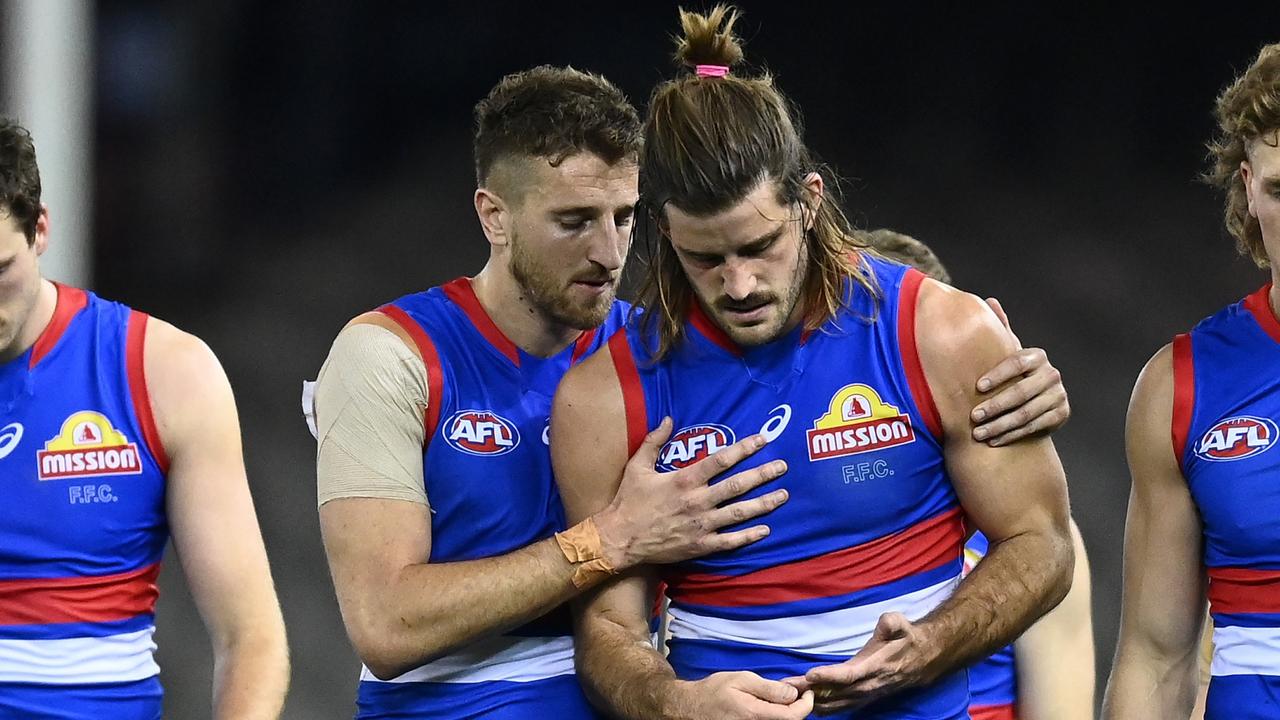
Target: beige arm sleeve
x=369, y=401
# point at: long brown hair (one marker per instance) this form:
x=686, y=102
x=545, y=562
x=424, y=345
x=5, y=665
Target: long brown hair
x=708, y=142
x=1248, y=110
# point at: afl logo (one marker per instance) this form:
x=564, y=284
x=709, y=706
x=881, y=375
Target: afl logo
x=480, y=432
x=1237, y=438
x=693, y=443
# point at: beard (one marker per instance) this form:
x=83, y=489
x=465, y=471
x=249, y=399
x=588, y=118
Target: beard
x=775, y=325
x=552, y=296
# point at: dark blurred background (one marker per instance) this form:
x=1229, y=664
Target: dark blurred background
x=263, y=171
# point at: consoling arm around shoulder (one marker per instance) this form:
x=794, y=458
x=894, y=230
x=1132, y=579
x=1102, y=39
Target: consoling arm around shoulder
x=1163, y=605
x=212, y=520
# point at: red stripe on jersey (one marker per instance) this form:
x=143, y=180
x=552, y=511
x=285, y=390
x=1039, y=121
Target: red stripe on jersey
x=463, y=295
x=916, y=381
x=79, y=599
x=924, y=546
x=1184, y=394
x=135, y=370
x=582, y=345
x=1259, y=304
x=431, y=360
x=992, y=712
x=624, y=363
x=70, y=302
x=1241, y=590
x=711, y=331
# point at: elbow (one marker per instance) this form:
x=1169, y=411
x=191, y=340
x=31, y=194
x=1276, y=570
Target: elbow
x=1062, y=560
x=382, y=657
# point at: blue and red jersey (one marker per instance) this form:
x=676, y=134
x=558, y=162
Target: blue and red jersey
x=1226, y=408
x=872, y=524
x=993, y=682
x=487, y=470
x=82, y=524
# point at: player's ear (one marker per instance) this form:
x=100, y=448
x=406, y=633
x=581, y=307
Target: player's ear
x=41, y=241
x=494, y=215
x=811, y=197
x=1246, y=175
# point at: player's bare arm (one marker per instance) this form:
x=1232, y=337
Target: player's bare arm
x=1055, y=657
x=617, y=663
x=1015, y=494
x=1163, y=605
x=213, y=524
x=401, y=610
x=1022, y=395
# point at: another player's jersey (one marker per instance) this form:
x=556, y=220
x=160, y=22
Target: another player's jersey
x=872, y=523
x=488, y=479
x=1226, y=408
x=993, y=683
x=82, y=522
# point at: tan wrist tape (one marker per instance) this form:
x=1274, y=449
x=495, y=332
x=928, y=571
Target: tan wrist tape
x=581, y=546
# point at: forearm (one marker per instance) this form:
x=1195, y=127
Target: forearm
x=622, y=672
x=1147, y=686
x=251, y=676
x=1021, y=579
x=430, y=609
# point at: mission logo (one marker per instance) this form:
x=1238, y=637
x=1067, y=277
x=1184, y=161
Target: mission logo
x=857, y=421
x=88, y=446
x=480, y=432
x=1237, y=438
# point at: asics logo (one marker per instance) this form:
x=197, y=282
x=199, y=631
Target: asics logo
x=777, y=422
x=10, y=436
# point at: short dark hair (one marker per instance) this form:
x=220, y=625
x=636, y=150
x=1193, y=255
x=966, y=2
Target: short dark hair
x=19, y=177
x=908, y=251
x=552, y=113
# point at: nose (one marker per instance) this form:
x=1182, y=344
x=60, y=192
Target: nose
x=739, y=280
x=608, y=247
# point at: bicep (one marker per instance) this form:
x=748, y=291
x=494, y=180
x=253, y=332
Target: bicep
x=208, y=504
x=369, y=542
x=1007, y=489
x=1164, y=582
x=588, y=437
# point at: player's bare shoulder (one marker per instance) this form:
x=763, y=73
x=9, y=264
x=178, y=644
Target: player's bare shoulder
x=186, y=384
x=959, y=338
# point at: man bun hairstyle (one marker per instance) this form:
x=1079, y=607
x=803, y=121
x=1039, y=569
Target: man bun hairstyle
x=710, y=138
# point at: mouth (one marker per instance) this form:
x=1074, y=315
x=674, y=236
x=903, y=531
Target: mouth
x=747, y=313
x=594, y=286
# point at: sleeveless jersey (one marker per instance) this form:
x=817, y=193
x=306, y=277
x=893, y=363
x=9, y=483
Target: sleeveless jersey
x=82, y=523
x=872, y=524
x=488, y=479
x=1226, y=406
x=993, y=683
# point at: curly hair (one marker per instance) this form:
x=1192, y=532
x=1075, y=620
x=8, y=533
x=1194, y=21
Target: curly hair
x=1247, y=110
x=552, y=113
x=907, y=250
x=709, y=141
x=19, y=177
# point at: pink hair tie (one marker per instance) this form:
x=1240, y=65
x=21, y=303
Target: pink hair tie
x=711, y=70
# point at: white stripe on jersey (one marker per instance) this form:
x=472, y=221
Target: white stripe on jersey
x=68, y=661
x=511, y=659
x=838, y=632
x=1245, y=651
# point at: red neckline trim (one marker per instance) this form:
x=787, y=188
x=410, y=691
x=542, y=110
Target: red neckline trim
x=463, y=295
x=1259, y=303
x=71, y=300
x=582, y=345
x=711, y=331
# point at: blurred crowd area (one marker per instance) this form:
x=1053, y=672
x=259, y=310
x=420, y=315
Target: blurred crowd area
x=264, y=171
